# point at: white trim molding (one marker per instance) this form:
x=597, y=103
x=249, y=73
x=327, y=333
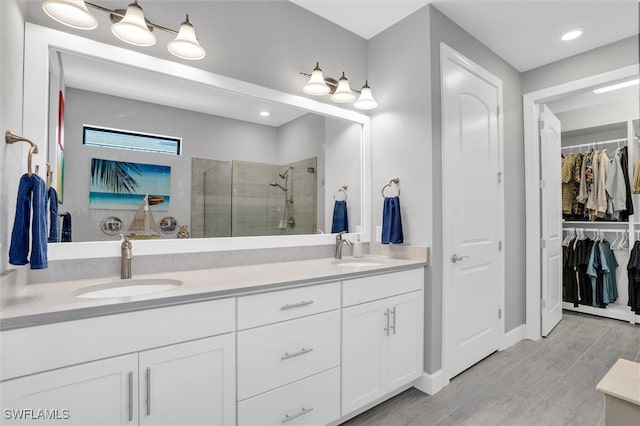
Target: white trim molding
x=431, y=383
x=512, y=337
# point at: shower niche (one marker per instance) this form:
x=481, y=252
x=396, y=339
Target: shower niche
x=242, y=198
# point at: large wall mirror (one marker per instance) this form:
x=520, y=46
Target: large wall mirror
x=239, y=178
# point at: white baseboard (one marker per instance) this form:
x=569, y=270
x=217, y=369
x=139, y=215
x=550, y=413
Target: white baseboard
x=512, y=337
x=431, y=383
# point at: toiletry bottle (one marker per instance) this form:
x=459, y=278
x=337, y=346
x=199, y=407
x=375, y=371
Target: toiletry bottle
x=357, y=247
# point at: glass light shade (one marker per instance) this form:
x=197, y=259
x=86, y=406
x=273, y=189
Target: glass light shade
x=133, y=28
x=343, y=93
x=185, y=45
x=366, y=101
x=316, y=85
x=72, y=13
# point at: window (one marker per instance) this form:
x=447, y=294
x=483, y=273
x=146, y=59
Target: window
x=120, y=139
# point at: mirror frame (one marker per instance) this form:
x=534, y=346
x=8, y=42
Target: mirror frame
x=38, y=42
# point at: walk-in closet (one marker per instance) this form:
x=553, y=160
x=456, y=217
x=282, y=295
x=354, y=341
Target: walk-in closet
x=600, y=180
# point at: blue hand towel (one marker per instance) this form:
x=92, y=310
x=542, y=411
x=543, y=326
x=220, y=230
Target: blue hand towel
x=391, y=221
x=54, y=221
x=340, y=220
x=32, y=195
x=66, y=228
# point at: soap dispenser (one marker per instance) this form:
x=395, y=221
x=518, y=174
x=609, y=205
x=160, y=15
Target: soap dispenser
x=357, y=247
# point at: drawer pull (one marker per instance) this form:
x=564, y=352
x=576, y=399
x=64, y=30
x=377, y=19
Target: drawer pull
x=302, y=351
x=296, y=305
x=298, y=414
x=148, y=391
x=393, y=312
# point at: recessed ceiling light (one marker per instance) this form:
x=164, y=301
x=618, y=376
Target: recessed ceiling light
x=265, y=113
x=616, y=86
x=571, y=34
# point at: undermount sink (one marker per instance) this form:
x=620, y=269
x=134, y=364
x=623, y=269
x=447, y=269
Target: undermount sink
x=127, y=288
x=356, y=263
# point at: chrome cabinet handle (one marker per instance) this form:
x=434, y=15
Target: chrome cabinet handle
x=298, y=414
x=302, y=351
x=131, y=396
x=386, y=315
x=393, y=312
x=455, y=258
x=148, y=391
x=296, y=305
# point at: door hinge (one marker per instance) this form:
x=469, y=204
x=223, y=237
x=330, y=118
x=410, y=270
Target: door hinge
x=540, y=124
x=499, y=313
x=543, y=243
x=499, y=245
x=542, y=184
x=498, y=111
x=543, y=303
x=499, y=177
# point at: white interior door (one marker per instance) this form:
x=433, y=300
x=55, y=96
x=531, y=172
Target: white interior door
x=473, y=212
x=551, y=213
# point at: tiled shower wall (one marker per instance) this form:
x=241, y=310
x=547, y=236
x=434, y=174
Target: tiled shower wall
x=236, y=198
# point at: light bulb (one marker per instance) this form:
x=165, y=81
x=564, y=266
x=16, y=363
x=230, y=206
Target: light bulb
x=186, y=45
x=366, y=101
x=72, y=13
x=343, y=93
x=133, y=27
x=316, y=85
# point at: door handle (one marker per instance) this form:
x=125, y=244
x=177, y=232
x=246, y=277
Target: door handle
x=455, y=258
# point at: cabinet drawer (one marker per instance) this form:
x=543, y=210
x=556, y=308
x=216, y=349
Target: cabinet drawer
x=361, y=290
x=267, y=308
x=312, y=401
x=282, y=353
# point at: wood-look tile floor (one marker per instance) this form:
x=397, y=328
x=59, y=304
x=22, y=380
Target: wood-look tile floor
x=548, y=382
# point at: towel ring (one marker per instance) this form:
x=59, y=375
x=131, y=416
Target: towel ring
x=343, y=189
x=394, y=180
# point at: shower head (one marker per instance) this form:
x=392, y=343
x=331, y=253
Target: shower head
x=285, y=173
x=278, y=185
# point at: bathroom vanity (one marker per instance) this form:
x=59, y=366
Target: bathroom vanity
x=305, y=342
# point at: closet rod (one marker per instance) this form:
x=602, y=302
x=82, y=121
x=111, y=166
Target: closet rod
x=592, y=144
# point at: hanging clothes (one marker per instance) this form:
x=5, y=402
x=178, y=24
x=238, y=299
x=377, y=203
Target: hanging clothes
x=624, y=163
x=636, y=176
x=577, y=209
x=610, y=281
x=568, y=183
x=633, y=269
x=604, y=163
x=583, y=194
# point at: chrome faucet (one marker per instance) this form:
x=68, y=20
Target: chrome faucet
x=125, y=259
x=339, y=243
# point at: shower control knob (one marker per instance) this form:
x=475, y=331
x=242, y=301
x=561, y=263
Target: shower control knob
x=455, y=258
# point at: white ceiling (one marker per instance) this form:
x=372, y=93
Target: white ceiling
x=526, y=34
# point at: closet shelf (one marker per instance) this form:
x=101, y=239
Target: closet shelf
x=613, y=311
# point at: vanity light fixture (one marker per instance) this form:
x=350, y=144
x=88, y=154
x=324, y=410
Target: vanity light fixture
x=129, y=26
x=571, y=34
x=340, y=90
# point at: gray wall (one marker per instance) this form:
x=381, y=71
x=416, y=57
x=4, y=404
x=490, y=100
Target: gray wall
x=262, y=42
x=12, y=161
x=606, y=58
x=406, y=143
x=445, y=30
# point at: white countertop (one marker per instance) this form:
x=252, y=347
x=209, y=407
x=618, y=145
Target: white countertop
x=622, y=381
x=53, y=302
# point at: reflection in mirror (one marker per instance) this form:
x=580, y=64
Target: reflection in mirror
x=239, y=173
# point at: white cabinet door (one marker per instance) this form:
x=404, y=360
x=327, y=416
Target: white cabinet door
x=190, y=383
x=363, y=354
x=381, y=348
x=405, y=348
x=97, y=393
